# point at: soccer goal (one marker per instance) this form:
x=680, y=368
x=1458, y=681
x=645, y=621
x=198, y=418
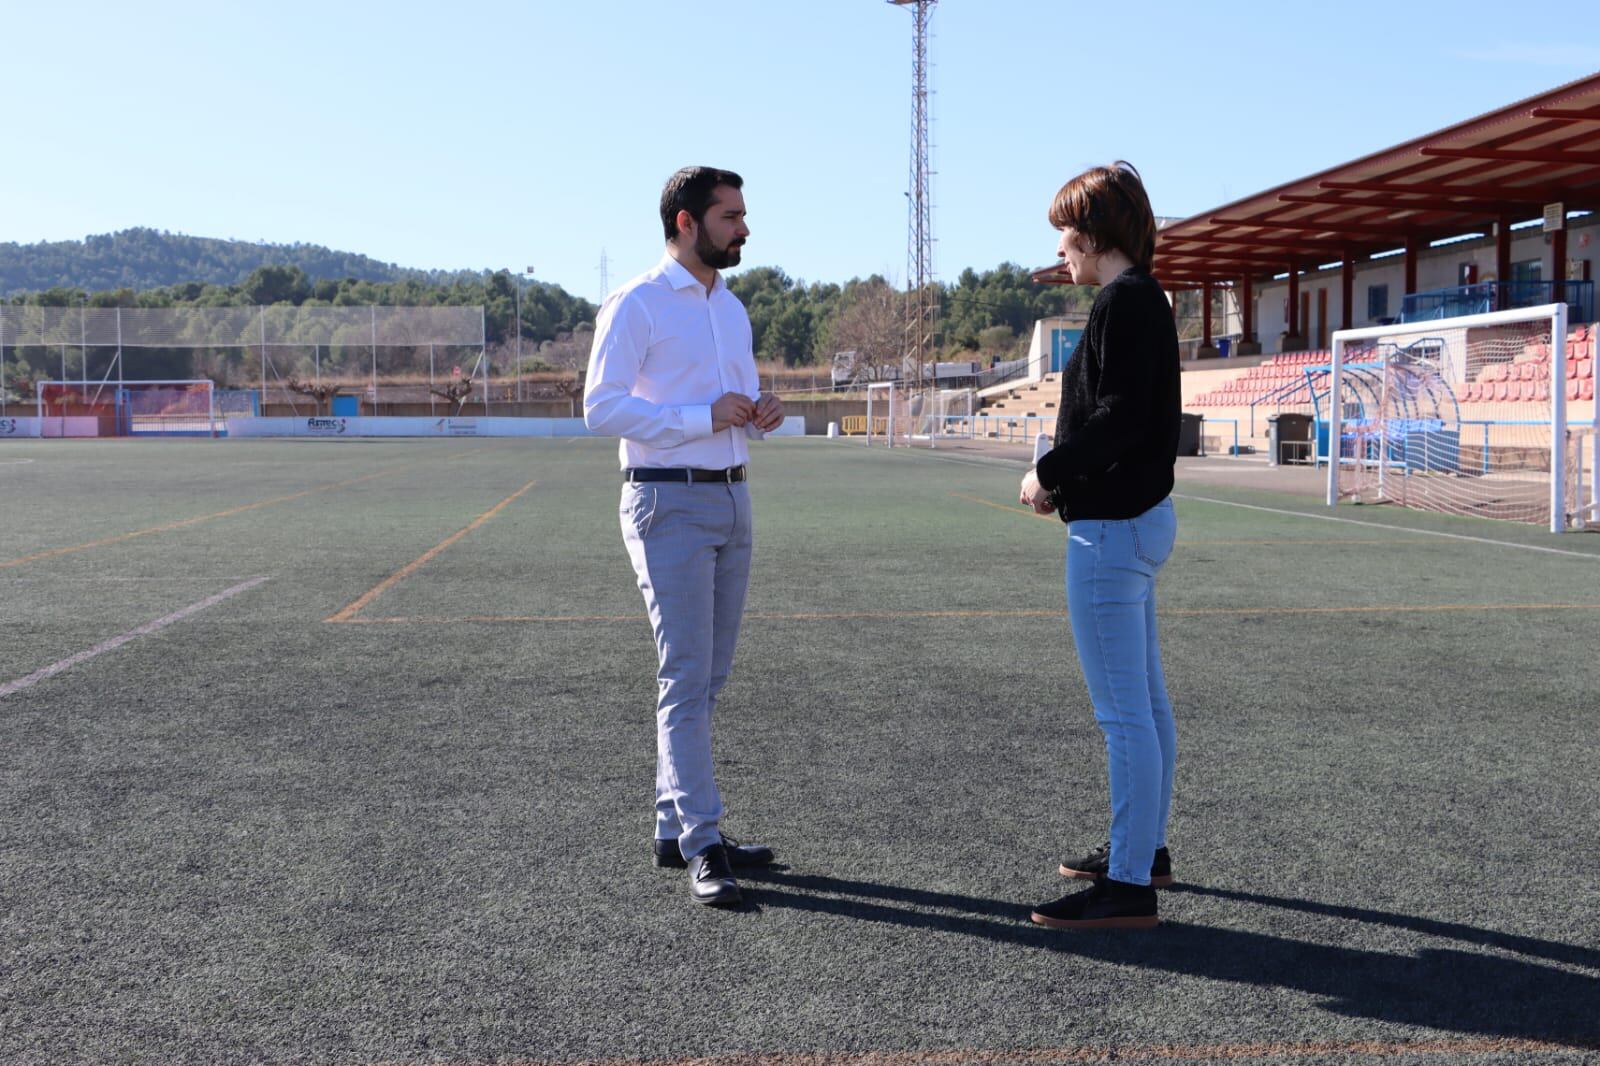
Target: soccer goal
x=897, y=415
x=950, y=414
x=128, y=408
x=1461, y=415
x=888, y=417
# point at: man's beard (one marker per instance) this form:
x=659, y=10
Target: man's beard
x=714, y=257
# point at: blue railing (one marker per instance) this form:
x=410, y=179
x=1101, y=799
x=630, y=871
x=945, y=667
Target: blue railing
x=1500, y=296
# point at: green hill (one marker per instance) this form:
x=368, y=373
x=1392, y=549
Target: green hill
x=141, y=259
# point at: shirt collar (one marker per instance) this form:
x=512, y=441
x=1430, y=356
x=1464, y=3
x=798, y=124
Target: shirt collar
x=678, y=275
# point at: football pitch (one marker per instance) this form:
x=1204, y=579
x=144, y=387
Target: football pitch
x=343, y=752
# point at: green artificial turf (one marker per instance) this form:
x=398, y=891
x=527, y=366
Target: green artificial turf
x=421, y=835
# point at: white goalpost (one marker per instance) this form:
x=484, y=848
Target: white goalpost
x=128, y=408
x=1464, y=416
x=886, y=417
x=899, y=416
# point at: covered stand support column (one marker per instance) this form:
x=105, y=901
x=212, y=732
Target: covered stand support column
x=1502, y=254
x=1347, y=287
x=1558, y=264
x=1207, y=349
x=1293, y=340
x=1248, y=345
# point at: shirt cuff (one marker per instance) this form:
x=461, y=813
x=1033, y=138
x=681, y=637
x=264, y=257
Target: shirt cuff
x=1045, y=471
x=696, y=421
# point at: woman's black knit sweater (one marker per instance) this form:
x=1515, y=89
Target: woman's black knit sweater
x=1117, y=428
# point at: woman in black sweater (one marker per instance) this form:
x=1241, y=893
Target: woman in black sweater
x=1109, y=476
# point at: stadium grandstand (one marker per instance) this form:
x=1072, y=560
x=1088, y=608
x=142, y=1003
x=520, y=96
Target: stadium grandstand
x=1492, y=213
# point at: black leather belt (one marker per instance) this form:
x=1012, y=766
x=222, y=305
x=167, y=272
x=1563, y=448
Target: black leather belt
x=685, y=474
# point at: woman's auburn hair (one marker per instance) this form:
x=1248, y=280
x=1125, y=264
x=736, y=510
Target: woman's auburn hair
x=1109, y=208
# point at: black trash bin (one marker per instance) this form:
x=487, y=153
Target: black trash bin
x=1289, y=438
x=1189, y=433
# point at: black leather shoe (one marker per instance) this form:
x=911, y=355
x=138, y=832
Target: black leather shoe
x=665, y=853
x=711, y=878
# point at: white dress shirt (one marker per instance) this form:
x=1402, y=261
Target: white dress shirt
x=664, y=351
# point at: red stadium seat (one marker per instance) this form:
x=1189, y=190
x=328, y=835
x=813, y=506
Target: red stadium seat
x=1572, y=389
x=1536, y=390
x=1502, y=391
x=1586, y=389
x=1525, y=371
x=1585, y=368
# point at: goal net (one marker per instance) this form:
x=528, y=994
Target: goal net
x=897, y=415
x=130, y=408
x=949, y=413
x=1462, y=415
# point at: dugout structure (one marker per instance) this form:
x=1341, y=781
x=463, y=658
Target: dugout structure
x=393, y=352
x=1463, y=415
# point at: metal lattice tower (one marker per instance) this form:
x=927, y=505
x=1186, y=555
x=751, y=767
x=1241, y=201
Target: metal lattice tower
x=922, y=295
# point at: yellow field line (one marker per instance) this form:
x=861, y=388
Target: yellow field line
x=389, y=582
x=1072, y=1055
x=1003, y=507
x=896, y=616
x=51, y=553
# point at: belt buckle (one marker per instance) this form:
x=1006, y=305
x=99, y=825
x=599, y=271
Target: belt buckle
x=728, y=474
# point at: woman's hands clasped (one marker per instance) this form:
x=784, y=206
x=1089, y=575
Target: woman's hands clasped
x=1035, y=495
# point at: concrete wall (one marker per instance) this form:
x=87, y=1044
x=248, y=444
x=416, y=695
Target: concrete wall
x=818, y=413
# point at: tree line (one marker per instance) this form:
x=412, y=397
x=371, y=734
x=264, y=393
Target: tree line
x=143, y=258
x=983, y=315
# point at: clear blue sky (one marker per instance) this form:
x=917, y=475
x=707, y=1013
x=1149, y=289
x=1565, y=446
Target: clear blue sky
x=499, y=134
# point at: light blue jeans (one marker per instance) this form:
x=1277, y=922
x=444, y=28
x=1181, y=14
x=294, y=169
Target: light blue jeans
x=1111, y=599
x=690, y=548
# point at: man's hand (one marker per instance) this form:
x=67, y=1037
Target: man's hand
x=734, y=409
x=1035, y=495
x=769, y=412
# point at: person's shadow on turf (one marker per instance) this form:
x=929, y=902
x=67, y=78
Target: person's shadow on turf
x=1440, y=988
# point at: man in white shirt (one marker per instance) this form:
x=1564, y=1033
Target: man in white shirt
x=673, y=374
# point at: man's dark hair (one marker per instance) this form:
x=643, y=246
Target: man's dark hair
x=691, y=189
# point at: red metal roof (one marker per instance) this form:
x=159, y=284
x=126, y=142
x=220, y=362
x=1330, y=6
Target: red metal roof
x=1506, y=164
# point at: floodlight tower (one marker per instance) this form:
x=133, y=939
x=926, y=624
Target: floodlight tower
x=922, y=297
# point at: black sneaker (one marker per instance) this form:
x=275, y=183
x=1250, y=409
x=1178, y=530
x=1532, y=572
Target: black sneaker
x=1107, y=904
x=1094, y=866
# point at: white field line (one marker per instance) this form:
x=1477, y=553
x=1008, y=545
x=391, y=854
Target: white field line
x=1023, y=465
x=133, y=634
x=1591, y=556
